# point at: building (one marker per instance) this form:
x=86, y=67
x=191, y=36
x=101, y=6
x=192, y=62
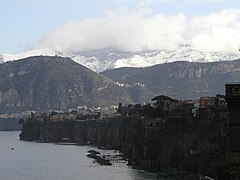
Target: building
x=208, y=103
x=233, y=102
x=109, y=113
x=82, y=110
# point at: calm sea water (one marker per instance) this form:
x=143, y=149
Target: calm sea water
x=46, y=161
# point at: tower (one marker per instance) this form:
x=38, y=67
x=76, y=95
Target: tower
x=233, y=102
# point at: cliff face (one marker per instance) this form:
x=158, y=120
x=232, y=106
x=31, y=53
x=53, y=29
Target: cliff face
x=184, y=80
x=43, y=83
x=30, y=131
x=178, y=142
x=81, y=132
x=108, y=133
x=197, y=145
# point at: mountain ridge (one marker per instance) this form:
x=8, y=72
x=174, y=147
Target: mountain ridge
x=42, y=83
x=181, y=80
x=104, y=59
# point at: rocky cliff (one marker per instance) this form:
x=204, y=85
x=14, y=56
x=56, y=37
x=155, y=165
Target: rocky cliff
x=180, y=145
x=170, y=143
x=92, y=132
x=182, y=80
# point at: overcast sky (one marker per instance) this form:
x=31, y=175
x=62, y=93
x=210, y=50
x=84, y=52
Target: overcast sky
x=132, y=25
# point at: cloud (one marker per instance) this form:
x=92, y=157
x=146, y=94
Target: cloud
x=218, y=31
x=136, y=31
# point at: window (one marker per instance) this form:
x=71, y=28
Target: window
x=150, y=123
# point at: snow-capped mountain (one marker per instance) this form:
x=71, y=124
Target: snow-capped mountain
x=103, y=59
x=1, y=59
x=35, y=52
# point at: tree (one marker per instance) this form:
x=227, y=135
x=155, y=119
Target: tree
x=21, y=121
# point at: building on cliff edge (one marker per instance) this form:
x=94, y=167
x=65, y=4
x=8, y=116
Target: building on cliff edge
x=232, y=170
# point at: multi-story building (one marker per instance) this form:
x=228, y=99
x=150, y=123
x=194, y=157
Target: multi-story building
x=233, y=102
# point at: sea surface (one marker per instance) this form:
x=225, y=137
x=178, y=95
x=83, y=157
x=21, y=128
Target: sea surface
x=20, y=160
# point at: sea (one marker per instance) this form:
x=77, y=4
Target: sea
x=21, y=160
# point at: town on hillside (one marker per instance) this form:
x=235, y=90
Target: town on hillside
x=162, y=107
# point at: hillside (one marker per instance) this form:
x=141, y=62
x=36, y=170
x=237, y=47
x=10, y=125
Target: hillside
x=181, y=80
x=42, y=83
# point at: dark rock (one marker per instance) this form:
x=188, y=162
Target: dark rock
x=93, y=152
x=99, y=159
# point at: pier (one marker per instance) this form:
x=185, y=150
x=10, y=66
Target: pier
x=114, y=158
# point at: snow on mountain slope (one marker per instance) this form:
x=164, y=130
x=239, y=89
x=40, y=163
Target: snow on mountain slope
x=1, y=59
x=100, y=60
x=103, y=59
x=35, y=52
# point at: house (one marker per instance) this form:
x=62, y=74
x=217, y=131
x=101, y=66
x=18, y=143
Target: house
x=109, y=113
x=208, y=103
x=82, y=110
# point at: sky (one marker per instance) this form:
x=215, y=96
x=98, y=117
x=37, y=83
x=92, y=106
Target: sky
x=129, y=25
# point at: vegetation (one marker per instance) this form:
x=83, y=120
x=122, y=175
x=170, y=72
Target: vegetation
x=42, y=83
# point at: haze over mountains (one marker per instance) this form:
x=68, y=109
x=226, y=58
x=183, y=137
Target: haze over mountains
x=104, y=59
